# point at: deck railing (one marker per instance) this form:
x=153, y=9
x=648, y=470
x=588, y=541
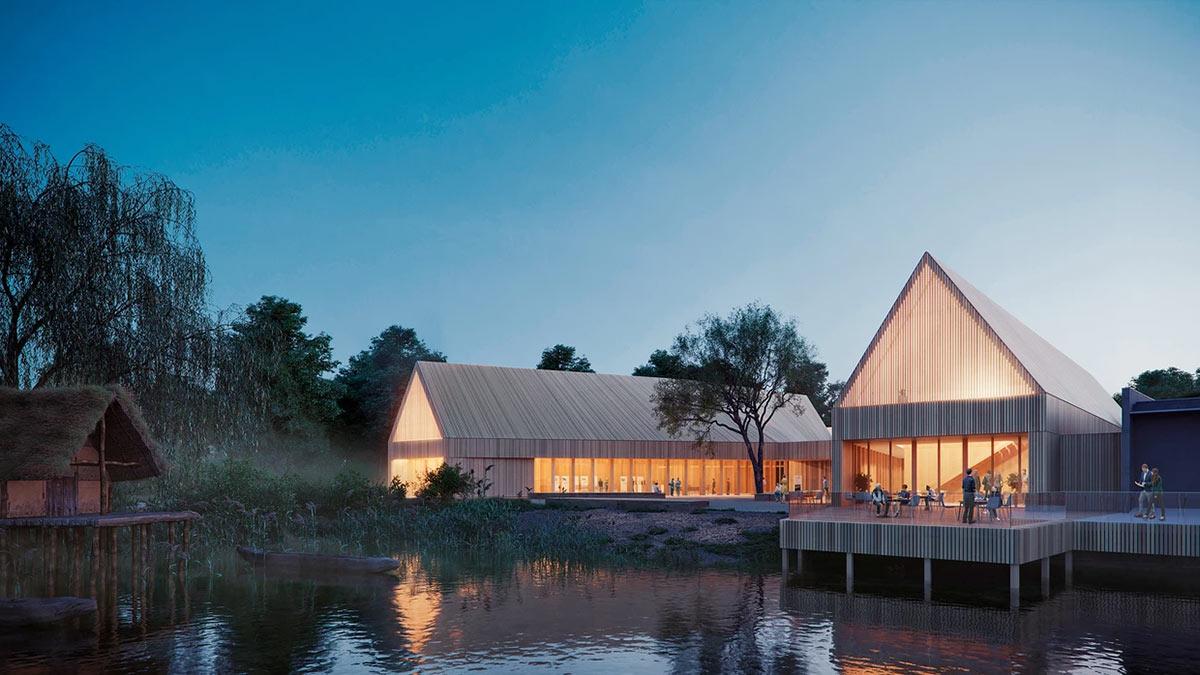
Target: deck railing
x=1012, y=509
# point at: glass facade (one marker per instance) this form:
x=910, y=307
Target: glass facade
x=939, y=463
x=697, y=476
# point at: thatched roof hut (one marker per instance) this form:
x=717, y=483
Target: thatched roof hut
x=57, y=440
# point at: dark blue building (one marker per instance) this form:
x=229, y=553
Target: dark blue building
x=1163, y=434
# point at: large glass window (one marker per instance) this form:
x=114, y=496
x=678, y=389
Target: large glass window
x=951, y=471
x=927, y=465
x=695, y=477
x=901, y=465
x=604, y=475
x=940, y=462
x=1007, y=458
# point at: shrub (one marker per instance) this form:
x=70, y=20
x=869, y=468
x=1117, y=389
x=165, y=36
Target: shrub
x=449, y=482
x=725, y=520
x=656, y=530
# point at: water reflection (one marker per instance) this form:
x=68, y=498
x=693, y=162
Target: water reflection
x=450, y=615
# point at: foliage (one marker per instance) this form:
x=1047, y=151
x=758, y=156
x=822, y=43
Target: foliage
x=862, y=482
x=449, y=482
x=743, y=368
x=562, y=357
x=663, y=363
x=103, y=278
x=288, y=364
x=1165, y=383
x=374, y=380
x=1013, y=481
x=810, y=378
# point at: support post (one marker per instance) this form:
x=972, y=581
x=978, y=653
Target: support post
x=928, y=579
x=1069, y=567
x=95, y=560
x=1014, y=585
x=105, y=506
x=52, y=568
x=786, y=554
x=849, y=572
x=799, y=561
x=1046, y=577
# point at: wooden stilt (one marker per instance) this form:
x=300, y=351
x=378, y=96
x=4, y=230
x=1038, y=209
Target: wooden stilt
x=96, y=555
x=111, y=587
x=133, y=572
x=5, y=559
x=52, y=554
x=173, y=555
x=77, y=561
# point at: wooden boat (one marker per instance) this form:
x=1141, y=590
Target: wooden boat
x=15, y=612
x=316, y=562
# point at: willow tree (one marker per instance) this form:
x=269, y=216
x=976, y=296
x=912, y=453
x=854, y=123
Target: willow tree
x=102, y=277
x=742, y=370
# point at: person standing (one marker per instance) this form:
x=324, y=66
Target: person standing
x=968, y=488
x=1156, y=495
x=1143, y=482
x=825, y=488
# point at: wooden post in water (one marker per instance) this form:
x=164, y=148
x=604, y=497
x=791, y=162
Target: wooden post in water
x=133, y=572
x=113, y=581
x=52, y=554
x=77, y=561
x=5, y=557
x=95, y=562
x=147, y=571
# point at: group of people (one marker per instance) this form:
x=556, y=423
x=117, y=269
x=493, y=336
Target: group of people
x=1151, y=483
x=993, y=496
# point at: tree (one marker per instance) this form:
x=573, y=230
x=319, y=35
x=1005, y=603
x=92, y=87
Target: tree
x=742, y=368
x=1166, y=383
x=562, y=357
x=373, y=382
x=101, y=276
x=662, y=363
x=811, y=379
x=289, y=366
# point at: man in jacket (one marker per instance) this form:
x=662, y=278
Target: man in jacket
x=968, y=486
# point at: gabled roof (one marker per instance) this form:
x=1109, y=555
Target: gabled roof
x=41, y=431
x=494, y=402
x=1052, y=371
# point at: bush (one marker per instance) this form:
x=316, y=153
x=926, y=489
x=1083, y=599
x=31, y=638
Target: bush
x=449, y=482
x=725, y=520
x=656, y=530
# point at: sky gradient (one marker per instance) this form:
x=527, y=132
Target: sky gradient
x=502, y=178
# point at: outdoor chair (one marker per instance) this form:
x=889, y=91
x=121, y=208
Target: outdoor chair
x=914, y=504
x=945, y=507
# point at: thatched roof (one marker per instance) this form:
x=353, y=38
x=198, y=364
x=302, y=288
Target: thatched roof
x=43, y=429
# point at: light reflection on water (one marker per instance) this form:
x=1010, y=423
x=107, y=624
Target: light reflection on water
x=440, y=616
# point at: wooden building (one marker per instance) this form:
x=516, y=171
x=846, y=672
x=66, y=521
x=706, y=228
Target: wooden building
x=555, y=431
x=951, y=380
x=62, y=448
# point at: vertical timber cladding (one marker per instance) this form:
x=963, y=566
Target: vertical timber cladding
x=948, y=361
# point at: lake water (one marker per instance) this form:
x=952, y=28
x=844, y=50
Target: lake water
x=440, y=616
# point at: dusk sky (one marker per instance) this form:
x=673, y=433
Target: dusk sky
x=601, y=174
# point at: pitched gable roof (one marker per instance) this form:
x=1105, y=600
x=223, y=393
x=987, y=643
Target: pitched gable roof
x=42, y=430
x=495, y=402
x=1020, y=358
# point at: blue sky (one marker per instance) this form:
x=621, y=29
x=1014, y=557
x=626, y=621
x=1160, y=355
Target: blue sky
x=503, y=177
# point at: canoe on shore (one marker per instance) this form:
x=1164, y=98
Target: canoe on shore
x=15, y=612
x=316, y=562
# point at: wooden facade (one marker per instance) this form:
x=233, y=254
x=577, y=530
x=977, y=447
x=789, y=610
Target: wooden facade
x=505, y=418
x=947, y=361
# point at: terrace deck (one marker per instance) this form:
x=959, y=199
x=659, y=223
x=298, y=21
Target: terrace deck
x=845, y=530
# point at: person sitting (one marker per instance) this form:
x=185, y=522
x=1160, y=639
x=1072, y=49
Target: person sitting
x=930, y=497
x=993, y=503
x=902, y=498
x=880, y=499
x=656, y=489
